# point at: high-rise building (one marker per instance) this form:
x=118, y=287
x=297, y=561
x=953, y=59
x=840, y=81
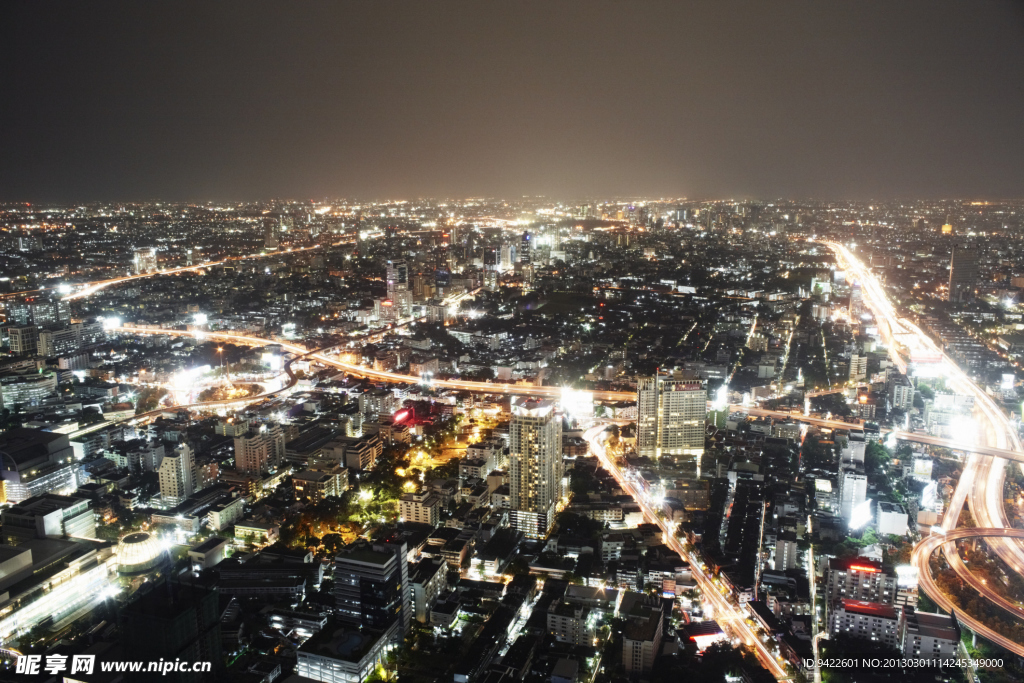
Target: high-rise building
x=259, y=449
x=175, y=622
x=524, y=249
x=270, y=240
x=398, y=288
x=535, y=466
x=528, y=276
x=371, y=585
x=43, y=313
x=671, y=412
x=860, y=579
x=868, y=621
x=57, y=342
x=23, y=340
x=177, y=475
x=856, y=301
x=397, y=277
x=858, y=367
x=853, y=490
x=507, y=260
x=144, y=260
x=963, y=272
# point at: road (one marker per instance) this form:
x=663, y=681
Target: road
x=94, y=286
x=729, y=617
x=381, y=375
x=292, y=381
x=923, y=551
x=993, y=443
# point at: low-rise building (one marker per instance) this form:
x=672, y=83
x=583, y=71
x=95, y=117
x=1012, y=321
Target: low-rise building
x=48, y=516
x=257, y=533
x=927, y=635
x=575, y=624
x=423, y=507
x=319, y=482
x=209, y=553
x=867, y=620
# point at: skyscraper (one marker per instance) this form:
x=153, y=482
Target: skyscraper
x=177, y=475
x=853, y=490
x=174, y=621
x=856, y=301
x=507, y=259
x=398, y=287
x=671, y=411
x=398, y=277
x=371, y=585
x=535, y=466
x=963, y=271
x=524, y=250
x=491, y=269
x=260, y=449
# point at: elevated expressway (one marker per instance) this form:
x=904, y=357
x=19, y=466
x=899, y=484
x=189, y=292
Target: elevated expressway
x=924, y=550
x=993, y=443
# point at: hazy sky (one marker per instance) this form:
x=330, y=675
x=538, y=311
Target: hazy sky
x=222, y=100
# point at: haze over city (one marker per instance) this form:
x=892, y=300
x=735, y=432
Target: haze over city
x=250, y=101
x=480, y=343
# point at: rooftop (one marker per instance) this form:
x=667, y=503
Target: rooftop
x=871, y=609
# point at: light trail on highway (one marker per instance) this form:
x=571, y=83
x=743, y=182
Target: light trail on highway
x=726, y=614
x=91, y=288
x=981, y=482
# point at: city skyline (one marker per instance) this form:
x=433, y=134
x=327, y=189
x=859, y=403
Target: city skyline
x=575, y=342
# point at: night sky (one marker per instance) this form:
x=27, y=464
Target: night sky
x=240, y=101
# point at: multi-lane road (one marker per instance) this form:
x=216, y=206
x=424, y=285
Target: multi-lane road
x=729, y=616
x=88, y=288
x=924, y=550
x=994, y=442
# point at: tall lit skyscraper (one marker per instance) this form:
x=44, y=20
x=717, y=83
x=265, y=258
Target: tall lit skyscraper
x=524, y=249
x=856, y=301
x=398, y=276
x=853, y=492
x=398, y=287
x=507, y=258
x=963, y=271
x=671, y=412
x=535, y=466
x=491, y=269
x=177, y=475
